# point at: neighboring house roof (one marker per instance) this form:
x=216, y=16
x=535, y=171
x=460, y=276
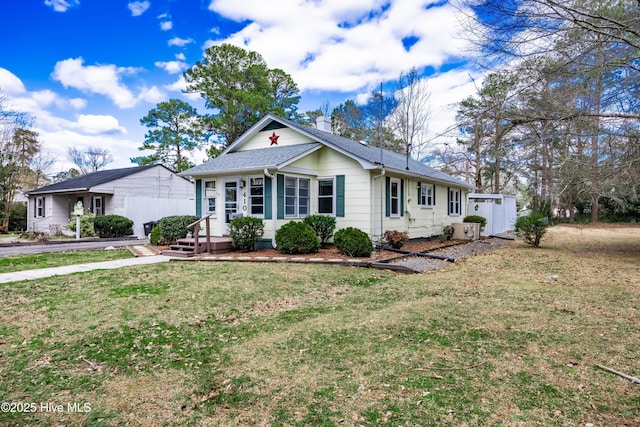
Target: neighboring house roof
x=85, y=182
x=275, y=157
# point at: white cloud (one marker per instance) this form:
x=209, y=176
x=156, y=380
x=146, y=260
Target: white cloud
x=172, y=67
x=152, y=94
x=61, y=5
x=10, y=84
x=177, y=41
x=166, y=25
x=99, y=124
x=137, y=8
x=100, y=79
x=345, y=46
x=180, y=56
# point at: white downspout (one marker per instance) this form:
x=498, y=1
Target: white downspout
x=373, y=197
x=274, y=206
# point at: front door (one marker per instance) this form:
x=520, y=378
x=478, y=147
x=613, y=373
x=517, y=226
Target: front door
x=231, y=201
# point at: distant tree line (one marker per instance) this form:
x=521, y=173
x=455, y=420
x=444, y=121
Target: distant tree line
x=562, y=121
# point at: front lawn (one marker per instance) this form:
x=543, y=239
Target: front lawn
x=509, y=338
x=56, y=259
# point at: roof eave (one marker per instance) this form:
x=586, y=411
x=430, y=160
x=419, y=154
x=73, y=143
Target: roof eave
x=428, y=178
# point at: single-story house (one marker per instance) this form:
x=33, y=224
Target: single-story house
x=280, y=171
x=141, y=193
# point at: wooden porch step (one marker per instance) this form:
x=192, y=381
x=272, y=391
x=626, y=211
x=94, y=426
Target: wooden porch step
x=176, y=253
x=187, y=247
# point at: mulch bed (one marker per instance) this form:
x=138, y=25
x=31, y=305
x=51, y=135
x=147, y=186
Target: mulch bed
x=332, y=253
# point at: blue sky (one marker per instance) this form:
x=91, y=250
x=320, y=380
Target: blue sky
x=88, y=70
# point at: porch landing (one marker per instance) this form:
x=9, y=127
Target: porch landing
x=187, y=247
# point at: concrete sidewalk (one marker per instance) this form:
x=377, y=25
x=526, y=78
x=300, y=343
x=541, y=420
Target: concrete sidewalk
x=69, y=269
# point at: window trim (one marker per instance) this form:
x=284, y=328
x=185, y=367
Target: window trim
x=297, y=197
x=39, y=208
x=455, y=203
x=249, y=196
x=397, y=198
x=205, y=199
x=429, y=199
x=333, y=196
x=95, y=207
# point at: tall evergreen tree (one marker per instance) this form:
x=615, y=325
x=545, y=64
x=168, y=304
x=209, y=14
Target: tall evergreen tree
x=239, y=87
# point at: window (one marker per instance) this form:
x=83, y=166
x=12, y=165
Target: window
x=38, y=209
x=454, y=201
x=256, y=196
x=210, y=197
x=98, y=205
x=296, y=197
x=394, y=197
x=426, y=195
x=326, y=195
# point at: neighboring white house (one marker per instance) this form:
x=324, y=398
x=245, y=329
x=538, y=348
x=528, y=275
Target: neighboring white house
x=280, y=171
x=141, y=193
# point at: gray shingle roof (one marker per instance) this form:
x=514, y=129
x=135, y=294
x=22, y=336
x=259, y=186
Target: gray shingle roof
x=84, y=182
x=390, y=159
x=272, y=157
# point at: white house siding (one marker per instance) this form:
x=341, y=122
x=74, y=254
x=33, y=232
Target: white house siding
x=52, y=206
x=417, y=220
x=429, y=221
x=357, y=197
x=148, y=196
x=145, y=196
x=286, y=136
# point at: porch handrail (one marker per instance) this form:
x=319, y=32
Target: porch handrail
x=196, y=232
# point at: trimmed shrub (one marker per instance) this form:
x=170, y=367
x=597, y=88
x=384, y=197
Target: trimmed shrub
x=323, y=225
x=86, y=225
x=154, y=236
x=353, y=242
x=297, y=238
x=245, y=232
x=174, y=227
x=396, y=239
x=531, y=228
x=113, y=226
x=476, y=218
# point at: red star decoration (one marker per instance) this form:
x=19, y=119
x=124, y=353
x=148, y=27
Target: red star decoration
x=274, y=139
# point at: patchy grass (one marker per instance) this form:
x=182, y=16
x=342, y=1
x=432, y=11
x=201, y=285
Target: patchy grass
x=57, y=259
x=495, y=340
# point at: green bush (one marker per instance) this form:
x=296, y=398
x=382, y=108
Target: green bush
x=113, y=226
x=353, y=242
x=245, y=232
x=154, y=236
x=531, y=228
x=323, y=225
x=86, y=225
x=476, y=218
x=297, y=238
x=174, y=227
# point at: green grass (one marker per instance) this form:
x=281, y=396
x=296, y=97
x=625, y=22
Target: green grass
x=488, y=342
x=31, y=262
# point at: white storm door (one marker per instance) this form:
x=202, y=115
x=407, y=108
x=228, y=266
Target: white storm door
x=231, y=201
